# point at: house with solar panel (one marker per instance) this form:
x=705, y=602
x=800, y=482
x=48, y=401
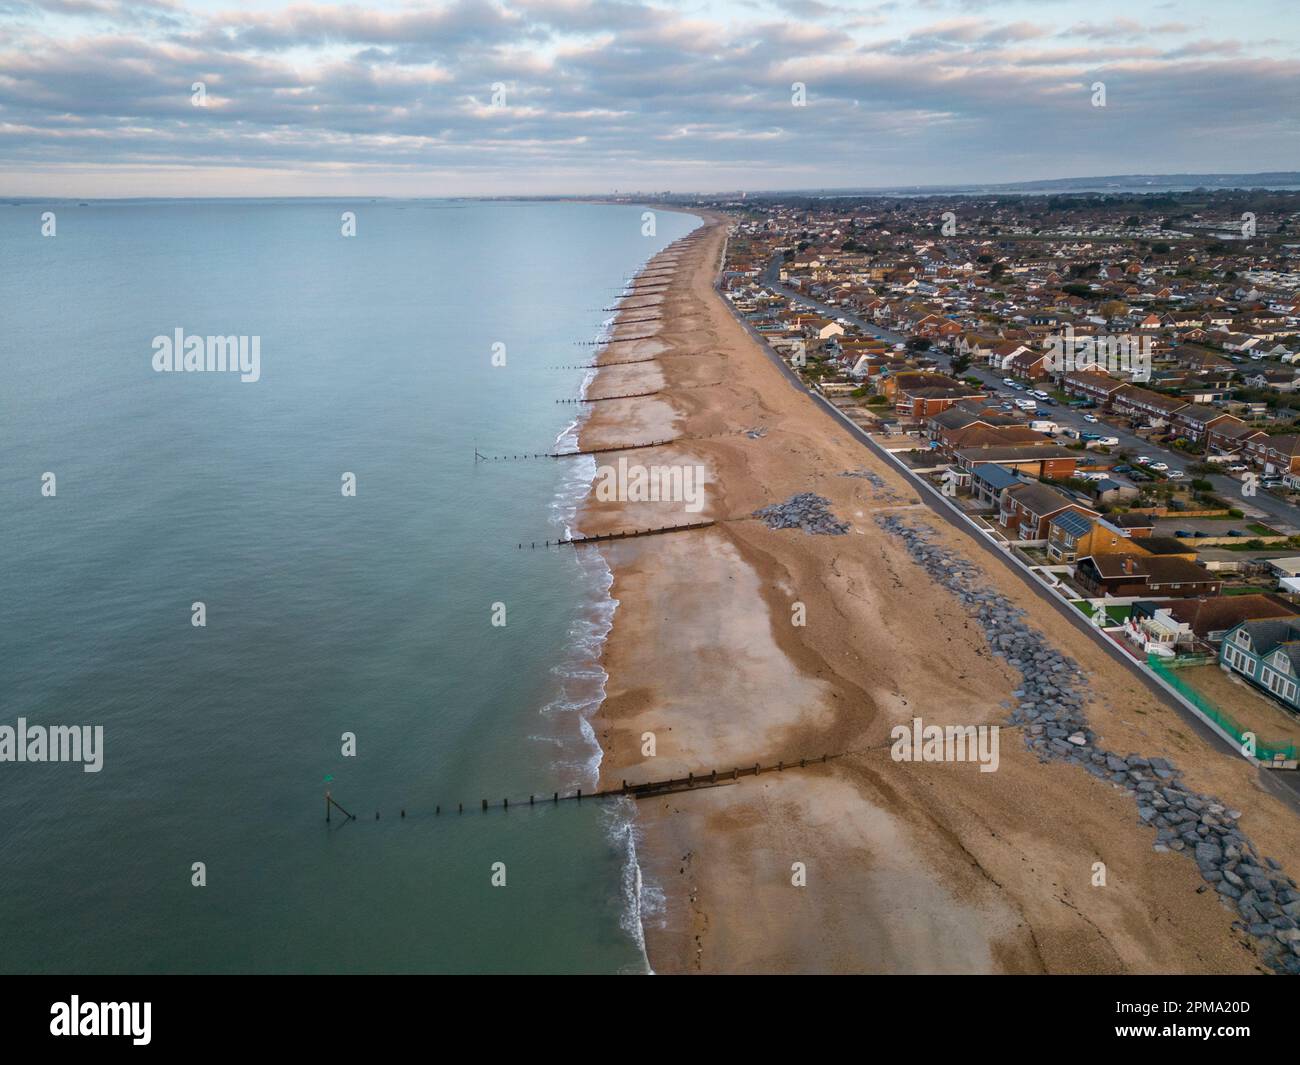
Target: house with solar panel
x=1064, y=532
x=1266, y=653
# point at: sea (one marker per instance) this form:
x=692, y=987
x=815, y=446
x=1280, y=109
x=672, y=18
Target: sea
x=370, y=628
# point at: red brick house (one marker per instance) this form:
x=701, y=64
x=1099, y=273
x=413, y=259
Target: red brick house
x=1091, y=384
x=1134, y=402
x=1040, y=460
x=1025, y=510
x=1194, y=420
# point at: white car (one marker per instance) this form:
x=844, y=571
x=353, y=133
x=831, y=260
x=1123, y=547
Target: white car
x=1008, y=381
x=1173, y=475
x=1159, y=467
x=1091, y=419
x=1143, y=460
x=1238, y=469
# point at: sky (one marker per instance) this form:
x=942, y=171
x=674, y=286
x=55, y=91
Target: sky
x=105, y=98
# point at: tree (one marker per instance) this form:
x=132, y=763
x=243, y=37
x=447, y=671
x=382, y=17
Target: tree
x=918, y=344
x=960, y=363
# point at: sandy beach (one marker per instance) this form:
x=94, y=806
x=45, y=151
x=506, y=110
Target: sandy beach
x=910, y=867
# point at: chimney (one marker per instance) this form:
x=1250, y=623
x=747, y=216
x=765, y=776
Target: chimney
x=1128, y=564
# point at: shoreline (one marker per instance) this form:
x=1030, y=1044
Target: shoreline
x=909, y=868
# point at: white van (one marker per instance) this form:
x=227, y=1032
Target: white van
x=1107, y=441
x=1027, y=404
x=1041, y=426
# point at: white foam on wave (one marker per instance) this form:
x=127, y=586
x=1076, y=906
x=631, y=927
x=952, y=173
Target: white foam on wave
x=583, y=677
x=642, y=901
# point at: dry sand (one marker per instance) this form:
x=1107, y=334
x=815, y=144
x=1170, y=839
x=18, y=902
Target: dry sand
x=909, y=867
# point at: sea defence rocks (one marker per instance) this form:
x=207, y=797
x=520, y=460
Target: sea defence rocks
x=806, y=511
x=1050, y=707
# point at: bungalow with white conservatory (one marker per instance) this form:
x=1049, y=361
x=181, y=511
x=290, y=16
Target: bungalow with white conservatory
x=1267, y=654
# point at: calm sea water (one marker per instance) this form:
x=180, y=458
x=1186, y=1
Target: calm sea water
x=325, y=614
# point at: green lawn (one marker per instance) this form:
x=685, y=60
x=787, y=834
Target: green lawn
x=1117, y=614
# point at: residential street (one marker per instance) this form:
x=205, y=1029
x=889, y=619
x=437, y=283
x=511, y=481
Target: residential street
x=1278, y=513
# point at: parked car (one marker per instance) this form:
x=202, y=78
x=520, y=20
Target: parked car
x=1122, y=468
x=1009, y=381
x=1173, y=475
x=1143, y=460
x=1091, y=418
x=1182, y=532
x=1159, y=467
x=1239, y=468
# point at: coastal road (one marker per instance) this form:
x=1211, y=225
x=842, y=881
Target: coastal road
x=1283, y=785
x=1279, y=513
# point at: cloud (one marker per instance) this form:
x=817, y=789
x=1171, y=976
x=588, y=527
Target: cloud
x=617, y=92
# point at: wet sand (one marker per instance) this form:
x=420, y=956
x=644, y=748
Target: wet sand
x=908, y=867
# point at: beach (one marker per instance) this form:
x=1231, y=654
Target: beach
x=860, y=863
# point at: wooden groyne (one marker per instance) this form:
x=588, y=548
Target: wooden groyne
x=649, y=789
x=605, y=399
x=479, y=457
x=626, y=534
x=639, y=395
x=602, y=365
x=616, y=340
x=640, y=307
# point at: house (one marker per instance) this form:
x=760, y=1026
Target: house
x=1267, y=654
x=919, y=395
x=1000, y=354
x=1041, y=460
x=1133, y=524
x=1277, y=454
x=1194, y=421
x=1029, y=365
x=1065, y=531
x=1026, y=510
x=988, y=480
x=980, y=435
x=1156, y=629
x=1277, y=380
x=1230, y=436
x=1211, y=618
x=1134, y=402
x=1132, y=574
x=1091, y=384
